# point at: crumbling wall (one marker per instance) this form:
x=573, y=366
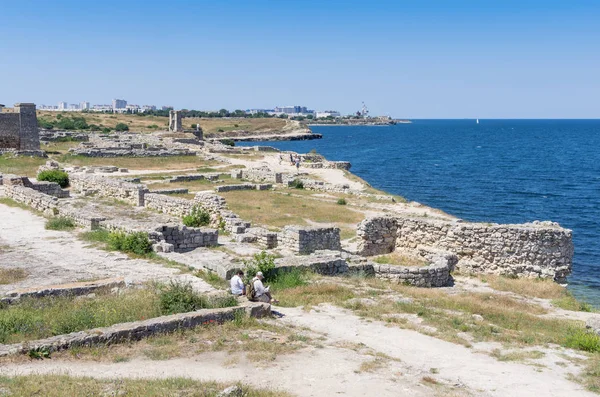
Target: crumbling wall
x=539, y=249
x=109, y=187
x=305, y=240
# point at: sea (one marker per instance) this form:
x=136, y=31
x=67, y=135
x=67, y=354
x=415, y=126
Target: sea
x=502, y=171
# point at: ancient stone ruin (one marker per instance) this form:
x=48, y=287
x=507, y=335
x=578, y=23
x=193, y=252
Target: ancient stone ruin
x=175, y=121
x=19, y=128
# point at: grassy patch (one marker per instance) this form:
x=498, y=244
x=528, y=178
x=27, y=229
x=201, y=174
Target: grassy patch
x=12, y=203
x=396, y=258
x=98, y=236
x=538, y=288
x=139, y=163
x=373, y=365
x=62, y=385
x=60, y=223
x=212, y=278
x=582, y=339
x=517, y=355
x=40, y=318
x=20, y=165
x=313, y=294
x=12, y=275
x=273, y=209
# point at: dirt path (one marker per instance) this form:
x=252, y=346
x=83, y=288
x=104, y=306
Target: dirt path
x=334, y=366
x=55, y=257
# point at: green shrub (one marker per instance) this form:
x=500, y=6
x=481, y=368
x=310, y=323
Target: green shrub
x=261, y=262
x=177, y=297
x=228, y=142
x=94, y=127
x=581, y=339
x=297, y=184
x=342, y=201
x=220, y=130
x=137, y=242
x=154, y=126
x=121, y=127
x=105, y=130
x=60, y=177
x=197, y=217
x=291, y=279
x=60, y=223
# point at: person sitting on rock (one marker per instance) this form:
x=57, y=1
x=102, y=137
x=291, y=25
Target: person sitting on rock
x=262, y=293
x=237, y=285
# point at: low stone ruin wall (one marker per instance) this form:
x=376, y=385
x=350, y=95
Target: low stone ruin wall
x=242, y=186
x=541, y=249
x=258, y=174
x=109, y=187
x=322, y=263
x=32, y=198
x=259, y=235
x=185, y=238
x=194, y=177
x=436, y=274
x=49, y=188
x=60, y=136
x=137, y=330
x=305, y=240
x=169, y=205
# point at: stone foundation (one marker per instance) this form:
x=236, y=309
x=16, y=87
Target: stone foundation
x=305, y=240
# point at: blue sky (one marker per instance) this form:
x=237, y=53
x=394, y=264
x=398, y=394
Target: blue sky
x=414, y=59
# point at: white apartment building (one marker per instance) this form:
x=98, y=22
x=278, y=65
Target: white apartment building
x=62, y=106
x=84, y=105
x=133, y=108
x=119, y=105
x=146, y=108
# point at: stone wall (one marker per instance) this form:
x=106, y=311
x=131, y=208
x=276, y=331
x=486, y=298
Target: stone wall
x=242, y=186
x=32, y=198
x=258, y=174
x=539, y=249
x=19, y=128
x=169, y=205
x=305, y=240
x=137, y=330
x=109, y=187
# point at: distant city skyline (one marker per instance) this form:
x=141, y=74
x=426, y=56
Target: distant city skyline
x=406, y=59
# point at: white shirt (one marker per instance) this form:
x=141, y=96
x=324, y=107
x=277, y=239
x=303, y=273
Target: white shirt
x=259, y=288
x=237, y=285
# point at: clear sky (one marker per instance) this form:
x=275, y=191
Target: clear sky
x=414, y=58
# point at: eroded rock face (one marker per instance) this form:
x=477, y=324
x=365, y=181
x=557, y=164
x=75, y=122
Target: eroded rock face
x=539, y=249
x=593, y=324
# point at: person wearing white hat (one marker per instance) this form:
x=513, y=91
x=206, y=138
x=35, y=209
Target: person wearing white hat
x=262, y=293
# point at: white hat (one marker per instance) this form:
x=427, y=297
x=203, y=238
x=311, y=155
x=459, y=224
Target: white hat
x=259, y=274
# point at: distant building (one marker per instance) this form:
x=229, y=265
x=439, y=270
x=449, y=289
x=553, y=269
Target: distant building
x=73, y=106
x=102, y=108
x=133, y=108
x=119, y=105
x=84, y=105
x=167, y=108
x=62, y=106
x=255, y=111
x=147, y=108
x=327, y=113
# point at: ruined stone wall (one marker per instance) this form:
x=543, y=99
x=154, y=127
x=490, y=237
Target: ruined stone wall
x=258, y=174
x=109, y=187
x=305, y=240
x=32, y=198
x=169, y=205
x=10, y=127
x=541, y=249
x=19, y=128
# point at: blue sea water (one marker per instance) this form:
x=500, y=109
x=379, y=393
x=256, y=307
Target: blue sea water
x=504, y=171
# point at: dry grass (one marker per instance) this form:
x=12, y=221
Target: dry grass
x=135, y=123
x=520, y=355
x=12, y=275
x=211, y=126
x=396, y=258
x=141, y=163
x=62, y=385
x=538, y=288
x=314, y=294
x=373, y=365
x=21, y=165
x=271, y=209
x=58, y=148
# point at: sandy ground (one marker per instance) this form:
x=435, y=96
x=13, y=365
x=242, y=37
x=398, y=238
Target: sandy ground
x=334, y=367
x=56, y=257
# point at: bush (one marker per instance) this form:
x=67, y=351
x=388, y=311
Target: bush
x=342, y=201
x=291, y=279
x=177, y=297
x=121, y=127
x=261, y=262
x=197, y=217
x=60, y=177
x=106, y=130
x=60, y=223
x=137, y=242
x=94, y=127
x=297, y=184
x=220, y=130
x=581, y=339
x=228, y=142
x=153, y=126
